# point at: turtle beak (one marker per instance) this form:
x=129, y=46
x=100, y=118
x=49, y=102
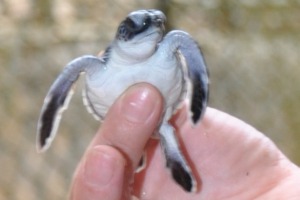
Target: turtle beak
x=158, y=18
x=161, y=24
x=159, y=21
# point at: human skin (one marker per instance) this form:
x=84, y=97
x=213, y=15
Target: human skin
x=230, y=159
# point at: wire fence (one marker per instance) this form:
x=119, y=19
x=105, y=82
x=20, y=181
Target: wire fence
x=252, y=49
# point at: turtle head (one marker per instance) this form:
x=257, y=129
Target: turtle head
x=142, y=25
x=140, y=32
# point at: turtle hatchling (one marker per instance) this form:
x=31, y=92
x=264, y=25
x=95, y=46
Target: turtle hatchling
x=140, y=52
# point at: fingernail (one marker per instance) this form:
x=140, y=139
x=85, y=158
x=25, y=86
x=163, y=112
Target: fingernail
x=139, y=103
x=99, y=168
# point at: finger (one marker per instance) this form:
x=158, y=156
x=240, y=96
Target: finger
x=131, y=121
x=100, y=175
x=124, y=133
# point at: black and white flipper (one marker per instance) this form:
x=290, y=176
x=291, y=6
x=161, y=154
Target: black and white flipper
x=58, y=98
x=175, y=161
x=195, y=71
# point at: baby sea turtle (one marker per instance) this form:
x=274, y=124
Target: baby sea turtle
x=140, y=52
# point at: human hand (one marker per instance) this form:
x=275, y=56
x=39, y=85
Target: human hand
x=231, y=160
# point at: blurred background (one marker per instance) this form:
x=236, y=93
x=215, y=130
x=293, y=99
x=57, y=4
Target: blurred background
x=252, y=48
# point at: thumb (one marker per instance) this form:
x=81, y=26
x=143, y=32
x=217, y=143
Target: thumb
x=102, y=170
x=107, y=167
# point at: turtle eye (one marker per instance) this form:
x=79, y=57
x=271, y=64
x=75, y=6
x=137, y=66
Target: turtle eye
x=147, y=22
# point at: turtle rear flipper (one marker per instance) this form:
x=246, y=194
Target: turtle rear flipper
x=175, y=161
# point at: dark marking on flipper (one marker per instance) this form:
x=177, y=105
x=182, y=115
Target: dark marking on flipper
x=199, y=101
x=48, y=121
x=180, y=175
x=56, y=102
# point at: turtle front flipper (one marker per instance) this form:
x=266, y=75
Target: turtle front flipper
x=59, y=96
x=175, y=161
x=194, y=70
